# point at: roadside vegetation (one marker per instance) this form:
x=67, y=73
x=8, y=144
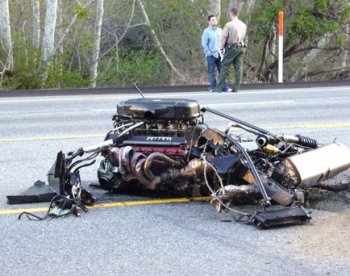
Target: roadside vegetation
x=105, y=43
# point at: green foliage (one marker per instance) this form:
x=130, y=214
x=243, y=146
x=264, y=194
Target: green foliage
x=303, y=23
x=302, y=18
x=58, y=77
x=345, y=13
x=81, y=12
x=180, y=32
x=147, y=68
x=26, y=78
x=26, y=74
x=313, y=20
x=321, y=5
x=267, y=18
x=341, y=41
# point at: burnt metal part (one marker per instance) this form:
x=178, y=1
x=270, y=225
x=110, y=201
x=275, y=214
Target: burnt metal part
x=40, y=192
x=336, y=187
x=278, y=193
x=264, y=140
x=155, y=109
x=224, y=163
x=281, y=217
x=165, y=145
x=253, y=170
x=308, y=174
x=234, y=193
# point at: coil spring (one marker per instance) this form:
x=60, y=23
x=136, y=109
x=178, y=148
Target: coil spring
x=307, y=142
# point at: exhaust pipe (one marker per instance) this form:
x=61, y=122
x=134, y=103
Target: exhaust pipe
x=314, y=166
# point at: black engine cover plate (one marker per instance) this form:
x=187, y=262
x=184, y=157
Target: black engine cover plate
x=159, y=109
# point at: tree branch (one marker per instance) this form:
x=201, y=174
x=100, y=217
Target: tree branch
x=155, y=37
x=67, y=30
x=125, y=31
x=263, y=56
x=314, y=73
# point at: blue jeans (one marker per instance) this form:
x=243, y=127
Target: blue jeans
x=212, y=63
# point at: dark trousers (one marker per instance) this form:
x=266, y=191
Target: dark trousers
x=232, y=56
x=212, y=63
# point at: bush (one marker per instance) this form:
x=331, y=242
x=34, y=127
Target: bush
x=148, y=68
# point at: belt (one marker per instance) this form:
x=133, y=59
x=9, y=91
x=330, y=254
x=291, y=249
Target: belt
x=235, y=45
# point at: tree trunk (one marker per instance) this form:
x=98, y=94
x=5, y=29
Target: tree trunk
x=258, y=70
x=235, y=4
x=155, y=37
x=59, y=23
x=249, y=5
x=68, y=29
x=347, y=46
x=36, y=23
x=215, y=8
x=5, y=33
x=59, y=34
x=48, y=47
x=97, y=40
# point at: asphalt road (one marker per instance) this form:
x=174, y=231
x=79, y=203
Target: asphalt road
x=180, y=238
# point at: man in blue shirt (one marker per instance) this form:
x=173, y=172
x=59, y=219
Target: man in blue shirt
x=211, y=46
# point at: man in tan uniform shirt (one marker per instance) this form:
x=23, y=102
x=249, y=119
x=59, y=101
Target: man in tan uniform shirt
x=233, y=48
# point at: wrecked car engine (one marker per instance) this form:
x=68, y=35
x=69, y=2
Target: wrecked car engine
x=165, y=144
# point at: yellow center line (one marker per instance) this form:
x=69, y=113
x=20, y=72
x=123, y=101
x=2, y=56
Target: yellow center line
x=18, y=211
x=79, y=136
x=44, y=138
x=115, y=204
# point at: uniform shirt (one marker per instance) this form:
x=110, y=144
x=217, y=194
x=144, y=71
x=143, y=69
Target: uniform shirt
x=235, y=31
x=211, y=41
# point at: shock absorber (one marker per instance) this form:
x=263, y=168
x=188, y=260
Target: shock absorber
x=300, y=140
x=307, y=142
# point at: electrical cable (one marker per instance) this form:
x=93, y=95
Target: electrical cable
x=214, y=194
x=54, y=200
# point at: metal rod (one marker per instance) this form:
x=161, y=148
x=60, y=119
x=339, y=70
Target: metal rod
x=263, y=131
x=138, y=89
